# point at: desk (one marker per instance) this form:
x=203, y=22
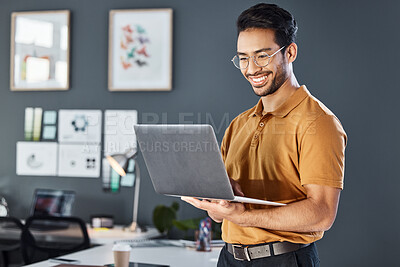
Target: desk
x=173, y=256
x=101, y=236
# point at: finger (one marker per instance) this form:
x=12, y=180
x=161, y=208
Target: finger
x=189, y=200
x=239, y=191
x=236, y=187
x=204, y=205
x=185, y=198
x=224, y=203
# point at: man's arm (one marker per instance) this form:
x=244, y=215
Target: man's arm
x=315, y=213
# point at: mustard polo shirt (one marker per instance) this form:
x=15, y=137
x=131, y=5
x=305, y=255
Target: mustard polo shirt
x=273, y=155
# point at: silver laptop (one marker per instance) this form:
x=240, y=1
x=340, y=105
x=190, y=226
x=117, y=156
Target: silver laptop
x=185, y=160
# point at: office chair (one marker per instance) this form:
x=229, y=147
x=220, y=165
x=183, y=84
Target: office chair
x=10, y=232
x=45, y=237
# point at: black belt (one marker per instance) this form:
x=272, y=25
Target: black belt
x=248, y=253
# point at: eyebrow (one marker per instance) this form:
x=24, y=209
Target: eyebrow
x=257, y=51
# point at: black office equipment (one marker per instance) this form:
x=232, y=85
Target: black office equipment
x=38, y=245
x=52, y=202
x=138, y=264
x=10, y=232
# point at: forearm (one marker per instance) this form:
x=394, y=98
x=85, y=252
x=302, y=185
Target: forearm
x=302, y=216
x=315, y=213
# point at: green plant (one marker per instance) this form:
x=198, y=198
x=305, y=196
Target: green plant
x=185, y=225
x=164, y=216
x=193, y=224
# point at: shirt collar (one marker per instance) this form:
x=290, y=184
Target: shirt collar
x=293, y=101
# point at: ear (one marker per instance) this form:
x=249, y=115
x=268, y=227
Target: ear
x=291, y=52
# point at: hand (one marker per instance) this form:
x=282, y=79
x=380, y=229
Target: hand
x=220, y=209
x=215, y=216
x=237, y=190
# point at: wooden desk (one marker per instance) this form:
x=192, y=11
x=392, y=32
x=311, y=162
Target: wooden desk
x=172, y=256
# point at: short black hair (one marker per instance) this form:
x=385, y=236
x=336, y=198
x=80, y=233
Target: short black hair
x=269, y=16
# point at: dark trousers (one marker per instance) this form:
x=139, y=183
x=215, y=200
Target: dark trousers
x=305, y=257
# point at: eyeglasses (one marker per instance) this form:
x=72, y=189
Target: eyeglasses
x=262, y=59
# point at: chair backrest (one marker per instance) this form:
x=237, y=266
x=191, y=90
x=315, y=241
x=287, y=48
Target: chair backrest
x=10, y=233
x=45, y=237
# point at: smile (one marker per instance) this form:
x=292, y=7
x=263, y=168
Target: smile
x=259, y=80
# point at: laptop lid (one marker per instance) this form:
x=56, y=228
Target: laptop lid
x=184, y=160
x=52, y=202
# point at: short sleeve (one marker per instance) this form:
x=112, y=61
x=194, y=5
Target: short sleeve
x=226, y=139
x=322, y=152
x=223, y=149
x=224, y=143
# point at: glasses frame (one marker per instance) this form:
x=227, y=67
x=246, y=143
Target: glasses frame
x=254, y=59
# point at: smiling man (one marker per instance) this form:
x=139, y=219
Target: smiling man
x=288, y=148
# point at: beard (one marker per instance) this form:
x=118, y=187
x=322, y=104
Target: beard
x=276, y=83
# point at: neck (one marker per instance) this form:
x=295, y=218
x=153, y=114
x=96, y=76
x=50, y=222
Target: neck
x=273, y=101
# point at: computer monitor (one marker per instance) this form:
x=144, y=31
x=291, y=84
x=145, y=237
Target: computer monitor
x=52, y=202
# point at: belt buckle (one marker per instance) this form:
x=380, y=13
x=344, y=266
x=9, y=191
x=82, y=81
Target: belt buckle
x=236, y=252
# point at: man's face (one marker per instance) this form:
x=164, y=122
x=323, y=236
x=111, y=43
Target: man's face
x=264, y=80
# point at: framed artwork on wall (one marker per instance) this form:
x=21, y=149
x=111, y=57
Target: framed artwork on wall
x=40, y=48
x=140, y=50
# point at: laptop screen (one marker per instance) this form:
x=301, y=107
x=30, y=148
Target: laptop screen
x=52, y=202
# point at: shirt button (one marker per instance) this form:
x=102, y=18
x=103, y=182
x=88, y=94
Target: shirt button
x=256, y=136
x=261, y=124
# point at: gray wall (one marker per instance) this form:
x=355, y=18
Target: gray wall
x=347, y=57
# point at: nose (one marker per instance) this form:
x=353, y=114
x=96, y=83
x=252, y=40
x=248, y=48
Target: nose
x=252, y=68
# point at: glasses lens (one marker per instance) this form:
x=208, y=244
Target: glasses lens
x=240, y=63
x=262, y=59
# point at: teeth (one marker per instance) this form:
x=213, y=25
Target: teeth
x=257, y=80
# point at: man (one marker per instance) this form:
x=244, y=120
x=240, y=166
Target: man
x=289, y=148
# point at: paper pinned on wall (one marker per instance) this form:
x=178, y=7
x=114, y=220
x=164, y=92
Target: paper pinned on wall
x=49, y=132
x=129, y=179
x=106, y=175
x=115, y=181
x=79, y=126
x=37, y=158
x=119, y=135
x=49, y=117
x=28, y=124
x=37, y=123
x=79, y=160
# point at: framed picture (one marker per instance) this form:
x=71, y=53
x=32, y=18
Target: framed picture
x=40, y=47
x=140, y=50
